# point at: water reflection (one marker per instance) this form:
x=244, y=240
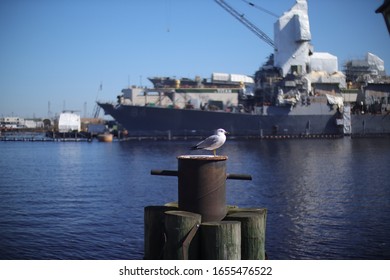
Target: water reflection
x=326, y=199
x=318, y=196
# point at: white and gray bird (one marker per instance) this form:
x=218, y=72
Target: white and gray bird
x=213, y=142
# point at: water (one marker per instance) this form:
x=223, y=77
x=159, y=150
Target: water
x=326, y=199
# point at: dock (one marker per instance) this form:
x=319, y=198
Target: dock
x=42, y=139
x=87, y=137
x=45, y=137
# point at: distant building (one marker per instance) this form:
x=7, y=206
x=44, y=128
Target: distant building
x=30, y=124
x=19, y=123
x=69, y=121
x=12, y=122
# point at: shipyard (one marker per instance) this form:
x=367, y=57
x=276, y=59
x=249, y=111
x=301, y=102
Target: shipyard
x=297, y=92
x=251, y=137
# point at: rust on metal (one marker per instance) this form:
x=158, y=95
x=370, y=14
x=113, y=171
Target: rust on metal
x=202, y=184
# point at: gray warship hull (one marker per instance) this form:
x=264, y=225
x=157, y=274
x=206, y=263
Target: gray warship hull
x=270, y=121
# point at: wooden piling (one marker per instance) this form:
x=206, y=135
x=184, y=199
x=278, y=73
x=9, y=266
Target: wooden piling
x=253, y=224
x=154, y=238
x=182, y=240
x=221, y=240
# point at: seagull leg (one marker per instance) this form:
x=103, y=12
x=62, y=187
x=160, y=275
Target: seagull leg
x=215, y=153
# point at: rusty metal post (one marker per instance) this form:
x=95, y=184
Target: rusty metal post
x=202, y=186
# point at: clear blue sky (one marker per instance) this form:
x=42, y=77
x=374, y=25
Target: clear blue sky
x=59, y=51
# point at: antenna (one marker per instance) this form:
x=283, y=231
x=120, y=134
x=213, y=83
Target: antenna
x=49, y=113
x=85, y=109
x=168, y=10
x=96, y=110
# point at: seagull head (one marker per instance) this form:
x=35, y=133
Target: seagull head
x=221, y=131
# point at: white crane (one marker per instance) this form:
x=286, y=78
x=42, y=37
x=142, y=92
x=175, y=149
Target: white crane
x=240, y=17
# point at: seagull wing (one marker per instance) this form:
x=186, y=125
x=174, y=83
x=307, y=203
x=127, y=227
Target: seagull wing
x=207, y=143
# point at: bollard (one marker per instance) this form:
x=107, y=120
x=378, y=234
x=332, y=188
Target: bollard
x=174, y=173
x=202, y=186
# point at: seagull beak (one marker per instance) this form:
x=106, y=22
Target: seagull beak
x=226, y=132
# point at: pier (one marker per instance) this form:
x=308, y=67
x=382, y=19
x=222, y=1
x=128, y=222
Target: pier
x=200, y=225
x=168, y=136
x=50, y=136
x=43, y=139
x=23, y=138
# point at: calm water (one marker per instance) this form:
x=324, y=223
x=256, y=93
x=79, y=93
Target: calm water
x=326, y=199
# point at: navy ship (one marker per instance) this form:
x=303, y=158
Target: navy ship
x=241, y=109
x=296, y=92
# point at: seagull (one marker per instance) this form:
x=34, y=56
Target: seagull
x=213, y=142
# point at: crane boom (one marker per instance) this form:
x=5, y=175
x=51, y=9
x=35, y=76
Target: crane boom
x=246, y=22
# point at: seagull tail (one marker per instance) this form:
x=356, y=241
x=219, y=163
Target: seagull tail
x=194, y=148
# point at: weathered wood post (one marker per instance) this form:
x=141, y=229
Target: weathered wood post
x=154, y=232
x=253, y=224
x=181, y=242
x=221, y=240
